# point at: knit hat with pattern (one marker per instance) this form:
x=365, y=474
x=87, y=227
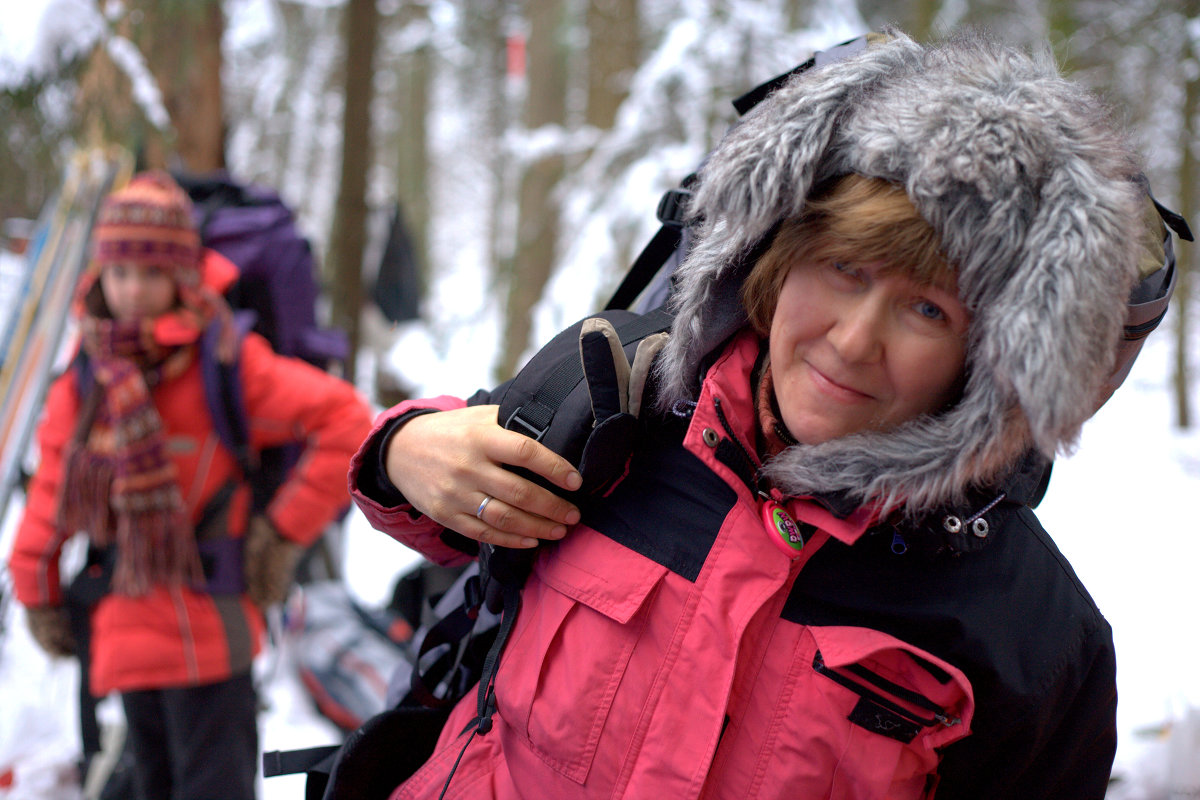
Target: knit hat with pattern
x=148, y=223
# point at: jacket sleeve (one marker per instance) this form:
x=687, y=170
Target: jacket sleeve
x=384, y=507
x=38, y=543
x=289, y=400
x=1063, y=744
x=1076, y=750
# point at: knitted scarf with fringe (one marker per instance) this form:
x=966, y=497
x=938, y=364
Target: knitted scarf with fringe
x=118, y=483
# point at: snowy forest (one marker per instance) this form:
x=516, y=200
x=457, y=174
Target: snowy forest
x=527, y=143
x=524, y=146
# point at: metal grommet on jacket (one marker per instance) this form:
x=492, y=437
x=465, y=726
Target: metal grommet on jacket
x=980, y=528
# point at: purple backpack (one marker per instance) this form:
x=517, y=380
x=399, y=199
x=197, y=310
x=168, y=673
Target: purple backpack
x=252, y=227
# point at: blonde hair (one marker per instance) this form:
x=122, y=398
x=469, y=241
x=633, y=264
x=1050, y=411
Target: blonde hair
x=852, y=219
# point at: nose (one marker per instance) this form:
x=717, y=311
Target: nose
x=857, y=333
x=141, y=284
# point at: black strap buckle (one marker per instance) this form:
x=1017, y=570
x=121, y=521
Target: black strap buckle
x=521, y=425
x=672, y=208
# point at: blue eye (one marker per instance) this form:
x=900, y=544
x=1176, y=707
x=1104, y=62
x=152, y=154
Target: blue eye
x=846, y=271
x=928, y=310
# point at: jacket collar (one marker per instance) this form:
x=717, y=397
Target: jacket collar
x=729, y=418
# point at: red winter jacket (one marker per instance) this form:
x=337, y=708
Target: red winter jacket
x=668, y=648
x=176, y=636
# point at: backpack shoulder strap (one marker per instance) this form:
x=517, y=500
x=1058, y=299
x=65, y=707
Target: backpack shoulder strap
x=223, y=392
x=672, y=209
x=85, y=377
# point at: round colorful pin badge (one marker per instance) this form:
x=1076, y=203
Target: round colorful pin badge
x=782, y=529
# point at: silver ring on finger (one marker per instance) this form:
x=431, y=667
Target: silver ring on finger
x=487, y=498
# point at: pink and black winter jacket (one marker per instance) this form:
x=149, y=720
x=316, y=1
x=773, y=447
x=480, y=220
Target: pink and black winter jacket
x=667, y=647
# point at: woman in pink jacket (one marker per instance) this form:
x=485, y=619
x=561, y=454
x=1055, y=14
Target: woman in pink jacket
x=819, y=575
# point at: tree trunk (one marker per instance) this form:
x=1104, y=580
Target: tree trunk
x=184, y=52
x=537, y=213
x=348, y=237
x=104, y=104
x=922, y=17
x=1186, y=257
x=412, y=163
x=489, y=94
x=181, y=45
x=614, y=51
x=500, y=77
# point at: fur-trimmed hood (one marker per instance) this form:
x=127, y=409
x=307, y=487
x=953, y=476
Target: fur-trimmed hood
x=1033, y=193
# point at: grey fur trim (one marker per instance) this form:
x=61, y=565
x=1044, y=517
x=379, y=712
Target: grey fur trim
x=1029, y=186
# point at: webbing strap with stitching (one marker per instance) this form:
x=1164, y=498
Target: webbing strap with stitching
x=223, y=393
x=291, y=762
x=485, y=704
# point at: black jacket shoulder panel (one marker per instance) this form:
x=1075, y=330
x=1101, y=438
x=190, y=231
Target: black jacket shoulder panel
x=670, y=506
x=1017, y=621
x=954, y=604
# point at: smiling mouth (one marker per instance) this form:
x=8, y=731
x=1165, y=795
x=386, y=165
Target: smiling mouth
x=830, y=386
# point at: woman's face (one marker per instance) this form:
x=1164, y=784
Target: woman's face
x=855, y=347
x=137, y=291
